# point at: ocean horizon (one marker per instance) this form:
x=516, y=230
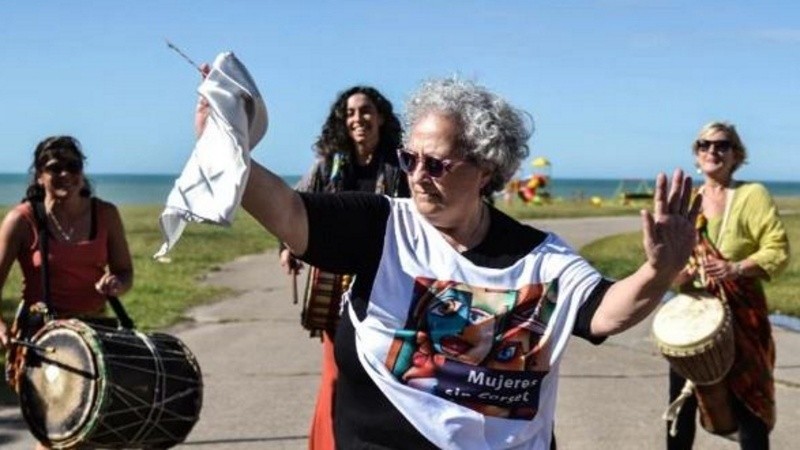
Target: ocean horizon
x=147, y=189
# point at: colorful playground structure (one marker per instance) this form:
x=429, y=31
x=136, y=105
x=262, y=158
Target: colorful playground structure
x=536, y=188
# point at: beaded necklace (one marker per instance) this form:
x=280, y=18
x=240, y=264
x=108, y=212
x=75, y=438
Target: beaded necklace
x=66, y=235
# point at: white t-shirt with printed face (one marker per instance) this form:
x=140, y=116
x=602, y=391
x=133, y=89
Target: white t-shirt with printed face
x=468, y=354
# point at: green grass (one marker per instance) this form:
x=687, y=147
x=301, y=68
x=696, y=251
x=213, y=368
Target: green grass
x=560, y=208
x=162, y=292
x=620, y=255
x=790, y=205
x=570, y=208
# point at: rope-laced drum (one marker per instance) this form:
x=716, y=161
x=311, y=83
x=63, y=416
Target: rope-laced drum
x=322, y=300
x=695, y=334
x=88, y=385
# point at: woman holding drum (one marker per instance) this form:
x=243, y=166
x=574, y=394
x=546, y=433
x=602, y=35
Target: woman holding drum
x=454, y=328
x=741, y=242
x=356, y=151
x=88, y=253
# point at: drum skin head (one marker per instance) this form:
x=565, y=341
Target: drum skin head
x=686, y=320
x=59, y=388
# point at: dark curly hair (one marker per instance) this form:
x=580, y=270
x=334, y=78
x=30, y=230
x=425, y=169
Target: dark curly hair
x=54, y=147
x=334, y=136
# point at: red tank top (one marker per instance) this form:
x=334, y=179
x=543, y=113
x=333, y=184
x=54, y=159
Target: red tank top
x=74, y=267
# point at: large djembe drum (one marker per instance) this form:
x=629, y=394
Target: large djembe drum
x=695, y=334
x=88, y=385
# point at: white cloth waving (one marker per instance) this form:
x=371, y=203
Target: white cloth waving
x=211, y=185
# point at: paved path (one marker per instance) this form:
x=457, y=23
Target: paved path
x=261, y=370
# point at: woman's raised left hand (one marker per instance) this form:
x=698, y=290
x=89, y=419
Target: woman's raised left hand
x=202, y=108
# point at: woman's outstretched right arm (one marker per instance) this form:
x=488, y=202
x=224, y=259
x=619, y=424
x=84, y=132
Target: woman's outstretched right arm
x=277, y=207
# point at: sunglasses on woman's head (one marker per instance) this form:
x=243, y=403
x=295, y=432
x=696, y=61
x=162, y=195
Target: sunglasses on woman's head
x=434, y=167
x=71, y=166
x=722, y=146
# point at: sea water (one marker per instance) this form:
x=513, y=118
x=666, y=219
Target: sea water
x=131, y=189
x=121, y=189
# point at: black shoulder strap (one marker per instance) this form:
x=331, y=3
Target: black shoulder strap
x=125, y=320
x=320, y=175
x=44, y=236
x=396, y=184
x=93, y=215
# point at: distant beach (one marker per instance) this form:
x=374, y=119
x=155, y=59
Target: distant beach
x=153, y=189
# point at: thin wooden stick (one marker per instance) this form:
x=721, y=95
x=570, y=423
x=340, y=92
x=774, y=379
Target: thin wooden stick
x=33, y=346
x=294, y=288
x=189, y=60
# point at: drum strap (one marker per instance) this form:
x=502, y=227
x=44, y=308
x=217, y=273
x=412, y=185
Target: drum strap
x=125, y=320
x=729, y=193
x=725, y=215
x=44, y=236
x=671, y=414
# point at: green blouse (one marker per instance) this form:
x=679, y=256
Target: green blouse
x=752, y=230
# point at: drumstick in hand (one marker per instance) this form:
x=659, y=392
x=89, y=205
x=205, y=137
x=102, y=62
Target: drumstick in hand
x=294, y=288
x=41, y=348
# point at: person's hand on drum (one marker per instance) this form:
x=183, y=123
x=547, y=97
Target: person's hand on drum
x=669, y=231
x=292, y=265
x=719, y=269
x=685, y=276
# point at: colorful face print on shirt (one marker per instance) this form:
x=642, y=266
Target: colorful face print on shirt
x=483, y=348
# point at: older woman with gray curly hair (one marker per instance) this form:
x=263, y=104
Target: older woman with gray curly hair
x=493, y=133
x=458, y=317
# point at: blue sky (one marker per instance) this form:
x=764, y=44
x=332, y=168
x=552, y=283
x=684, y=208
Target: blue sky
x=617, y=88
